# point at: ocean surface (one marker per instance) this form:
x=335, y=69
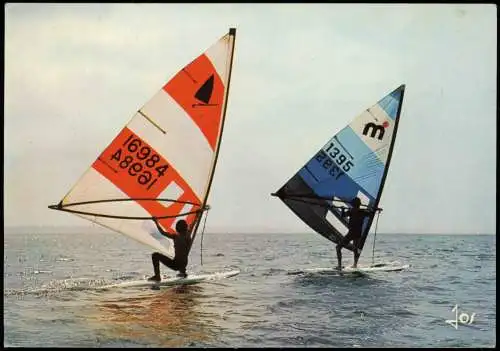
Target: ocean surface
x=51, y=300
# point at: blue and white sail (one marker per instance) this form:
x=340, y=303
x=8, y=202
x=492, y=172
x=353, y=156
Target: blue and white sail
x=353, y=163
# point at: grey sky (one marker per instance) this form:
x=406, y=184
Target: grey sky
x=75, y=74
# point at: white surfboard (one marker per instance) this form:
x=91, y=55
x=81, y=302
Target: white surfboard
x=380, y=267
x=170, y=281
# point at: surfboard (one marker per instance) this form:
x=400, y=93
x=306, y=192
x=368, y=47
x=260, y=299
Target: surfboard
x=172, y=281
x=381, y=267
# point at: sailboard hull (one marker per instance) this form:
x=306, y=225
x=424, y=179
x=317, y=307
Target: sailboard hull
x=384, y=267
x=172, y=281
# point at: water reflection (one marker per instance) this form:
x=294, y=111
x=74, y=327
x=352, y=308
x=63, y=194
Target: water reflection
x=167, y=317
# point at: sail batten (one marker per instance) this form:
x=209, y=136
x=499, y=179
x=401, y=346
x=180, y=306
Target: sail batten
x=163, y=159
x=353, y=163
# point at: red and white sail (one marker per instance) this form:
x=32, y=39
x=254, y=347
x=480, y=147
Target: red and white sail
x=168, y=150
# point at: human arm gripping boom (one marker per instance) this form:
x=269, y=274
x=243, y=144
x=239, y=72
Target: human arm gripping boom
x=347, y=212
x=163, y=232
x=370, y=210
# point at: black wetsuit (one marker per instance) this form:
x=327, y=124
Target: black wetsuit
x=180, y=261
x=356, y=217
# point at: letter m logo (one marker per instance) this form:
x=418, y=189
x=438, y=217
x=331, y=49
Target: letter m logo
x=374, y=128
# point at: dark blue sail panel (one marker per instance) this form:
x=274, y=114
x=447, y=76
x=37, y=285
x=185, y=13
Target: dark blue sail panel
x=353, y=163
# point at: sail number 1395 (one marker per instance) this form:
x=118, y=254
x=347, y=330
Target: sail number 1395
x=335, y=161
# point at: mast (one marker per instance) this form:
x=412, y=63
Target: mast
x=389, y=156
x=232, y=32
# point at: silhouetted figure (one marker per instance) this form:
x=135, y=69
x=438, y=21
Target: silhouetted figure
x=356, y=216
x=182, y=242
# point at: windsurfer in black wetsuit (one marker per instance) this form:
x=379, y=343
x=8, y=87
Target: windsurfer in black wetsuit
x=182, y=242
x=356, y=216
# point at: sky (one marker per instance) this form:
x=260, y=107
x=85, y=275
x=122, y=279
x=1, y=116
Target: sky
x=76, y=73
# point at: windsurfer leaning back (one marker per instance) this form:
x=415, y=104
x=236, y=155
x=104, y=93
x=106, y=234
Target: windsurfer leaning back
x=182, y=242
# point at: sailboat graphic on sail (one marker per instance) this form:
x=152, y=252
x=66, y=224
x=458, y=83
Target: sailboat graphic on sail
x=353, y=163
x=162, y=163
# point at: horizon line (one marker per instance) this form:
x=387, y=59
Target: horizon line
x=96, y=230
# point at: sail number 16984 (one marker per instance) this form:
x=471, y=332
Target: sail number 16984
x=139, y=161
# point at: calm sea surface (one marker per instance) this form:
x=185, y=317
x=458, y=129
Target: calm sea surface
x=51, y=300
